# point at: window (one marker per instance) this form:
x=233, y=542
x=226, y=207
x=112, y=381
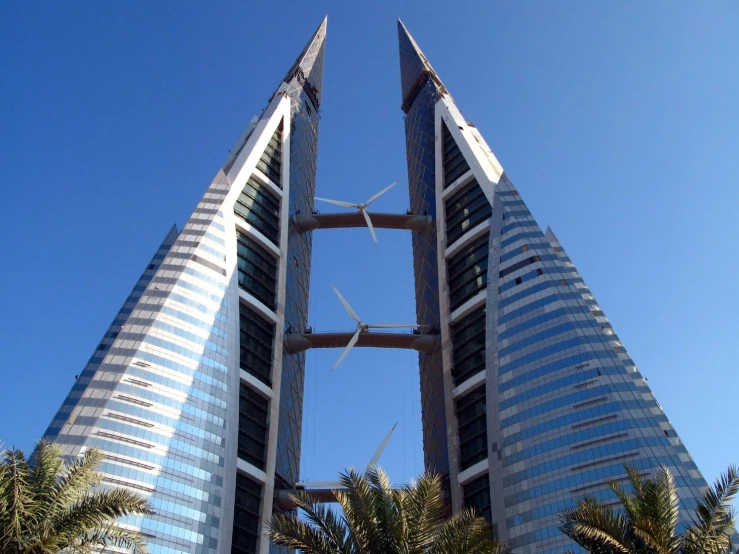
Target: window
x=518, y=265
x=253, y=418
x=465, y=209
x=256, y=340
x=472, y=418
x=454, y=163
x=259, y=207
x=468, y=272
x=246, y=515
x=476, y=494
x=271, y=161
x=524, y=248
x=468, y=339
x=257, y=269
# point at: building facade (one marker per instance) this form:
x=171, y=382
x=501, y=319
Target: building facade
x=188, y=395
x=532, y=399
x=529, y=399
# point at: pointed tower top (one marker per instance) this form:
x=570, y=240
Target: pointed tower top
x=310, y=62
x=414, y=67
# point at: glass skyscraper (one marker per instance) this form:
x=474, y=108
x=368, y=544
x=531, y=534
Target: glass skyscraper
x=188, y=394
x=529, y=399
x=532, y=399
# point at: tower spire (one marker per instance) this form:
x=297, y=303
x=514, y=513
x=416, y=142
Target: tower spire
x=415, y=69
x=310, y=62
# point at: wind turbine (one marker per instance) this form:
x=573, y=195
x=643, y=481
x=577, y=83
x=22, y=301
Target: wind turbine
x=362, y=208
x=363, y=327
x=337, y=484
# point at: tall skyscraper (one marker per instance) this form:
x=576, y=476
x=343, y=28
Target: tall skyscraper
x=532, y=399
x=195, y=393
x=189, y=395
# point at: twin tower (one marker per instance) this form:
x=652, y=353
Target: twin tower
x=195, y=392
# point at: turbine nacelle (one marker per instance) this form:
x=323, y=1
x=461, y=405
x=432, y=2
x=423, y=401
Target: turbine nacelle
x=363, y=327
x=362, y=208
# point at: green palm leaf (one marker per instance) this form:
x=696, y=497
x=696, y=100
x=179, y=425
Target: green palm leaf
x=647, y=522
x=713, y=524
x=465, y=533
x=378, y=519
x=47, y=506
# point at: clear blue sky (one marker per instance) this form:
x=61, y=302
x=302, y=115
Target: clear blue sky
x=617, y=121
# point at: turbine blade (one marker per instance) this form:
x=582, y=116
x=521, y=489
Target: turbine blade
x=383, y=191
x=391, y=325
x=347, y=307
x=337, y=202
x=369, y=226
x=349, y=346
x=383, y=444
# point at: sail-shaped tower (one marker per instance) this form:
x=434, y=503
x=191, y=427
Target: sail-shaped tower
x=532, y=399
x=188, y=394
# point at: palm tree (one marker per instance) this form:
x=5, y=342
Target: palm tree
x=648, y=519
x=378, y=519
x=48, y=506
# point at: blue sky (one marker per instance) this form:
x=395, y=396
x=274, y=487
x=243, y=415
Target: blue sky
x=617, y=121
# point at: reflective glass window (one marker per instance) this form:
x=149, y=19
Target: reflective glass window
x=468, y=272
x=257, y=269
x=472, y=419
x=519, y=265
x=468, y=340
x=271, y=161
x=476, y=494
x=256, y=342
x=454, y=163
x=246, y=515
x=465, y=209
x=258, y=206
x=253, y=417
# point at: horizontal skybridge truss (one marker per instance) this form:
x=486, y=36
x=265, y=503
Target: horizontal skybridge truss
x=425, y=343
x=410, y=222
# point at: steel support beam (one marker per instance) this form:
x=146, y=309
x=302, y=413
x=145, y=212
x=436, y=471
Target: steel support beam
x=416, y=223
x=426, y=343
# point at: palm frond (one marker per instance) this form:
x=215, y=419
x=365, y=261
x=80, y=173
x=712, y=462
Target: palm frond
x=385, y=509
x=291, y=532
x=321, y=522
x=47, y=506
x=45, y=464
x=108, y=535
x=465, y=533
x=101, y=505
x=74, y=481
x=714, y=522
x=628, y=503
x=424, y=504
x=357, y=503
x=596, y=527
x=657, y=527
x=379, y=519
x=17, y=500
